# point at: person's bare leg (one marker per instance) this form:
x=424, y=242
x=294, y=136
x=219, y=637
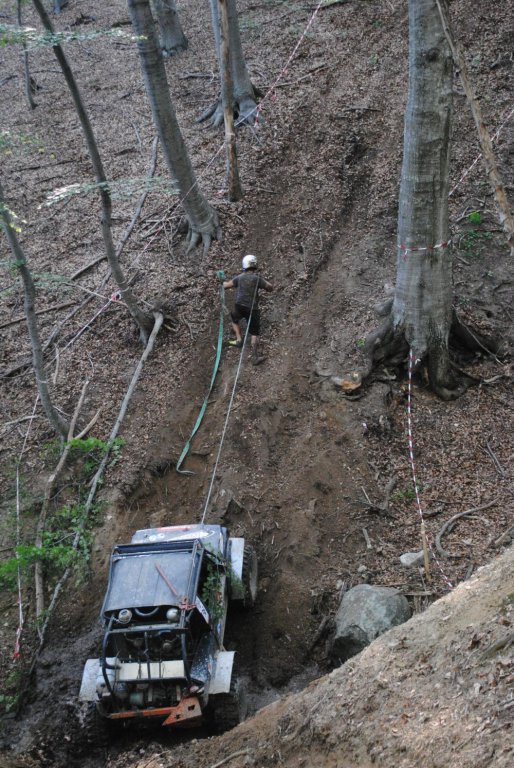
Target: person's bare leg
x=256, y=358
x=237, y=330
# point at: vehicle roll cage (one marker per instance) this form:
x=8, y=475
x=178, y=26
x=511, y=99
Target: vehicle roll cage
x=186, y=604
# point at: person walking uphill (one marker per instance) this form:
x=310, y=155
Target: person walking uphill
x=247, y=286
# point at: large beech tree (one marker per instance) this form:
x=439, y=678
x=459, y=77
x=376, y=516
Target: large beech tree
x=201, y=217
x=244, y=93
x=172, y=37
x=421, y=315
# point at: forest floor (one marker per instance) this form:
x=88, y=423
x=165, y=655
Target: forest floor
x=308, y=465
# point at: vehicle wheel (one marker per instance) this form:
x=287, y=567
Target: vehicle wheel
x=228, y=709
x=249, y=577
x=95, y=729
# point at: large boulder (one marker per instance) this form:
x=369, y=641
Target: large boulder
x=365, y=613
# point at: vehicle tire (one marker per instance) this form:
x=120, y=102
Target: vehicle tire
x=249, y=577
x=228, y=709
x=95, y=729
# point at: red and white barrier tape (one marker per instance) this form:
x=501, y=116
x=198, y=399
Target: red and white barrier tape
x=284, y=69
x=413, y=466
x=405, y=249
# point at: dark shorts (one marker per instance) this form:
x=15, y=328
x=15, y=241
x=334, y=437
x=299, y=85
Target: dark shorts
x=241, y=313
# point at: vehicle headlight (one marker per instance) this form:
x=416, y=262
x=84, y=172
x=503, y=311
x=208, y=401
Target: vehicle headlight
x=173, y=615
x=125, y=616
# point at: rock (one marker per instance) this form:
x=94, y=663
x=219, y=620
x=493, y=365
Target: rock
x=365, y=613
x=412, y=559
x=348, y=382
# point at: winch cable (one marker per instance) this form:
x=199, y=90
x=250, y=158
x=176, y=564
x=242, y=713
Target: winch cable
x=229, y=409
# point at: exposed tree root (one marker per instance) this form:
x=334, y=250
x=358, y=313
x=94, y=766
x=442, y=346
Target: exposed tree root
x=388, y=346
x=168, y=50
x=245, y=111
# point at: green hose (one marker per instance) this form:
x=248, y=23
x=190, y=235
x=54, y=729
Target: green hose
x=185, y=451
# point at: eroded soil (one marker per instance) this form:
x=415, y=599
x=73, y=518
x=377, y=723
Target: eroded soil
x=308, y=465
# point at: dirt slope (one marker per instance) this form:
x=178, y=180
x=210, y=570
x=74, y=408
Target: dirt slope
x=436, y=691
x=321, y=182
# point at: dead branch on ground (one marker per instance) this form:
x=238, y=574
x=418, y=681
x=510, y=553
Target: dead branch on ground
x=447, y=527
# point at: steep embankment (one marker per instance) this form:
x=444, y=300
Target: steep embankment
x=436, y=691
x=308, y=465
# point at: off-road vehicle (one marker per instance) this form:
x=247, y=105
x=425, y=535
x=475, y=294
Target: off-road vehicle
x=163, y=621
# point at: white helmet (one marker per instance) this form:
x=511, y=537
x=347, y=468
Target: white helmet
x=249, y=261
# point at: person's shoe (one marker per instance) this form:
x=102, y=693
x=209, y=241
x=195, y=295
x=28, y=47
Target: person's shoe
x=258, y=359
x=235, y=343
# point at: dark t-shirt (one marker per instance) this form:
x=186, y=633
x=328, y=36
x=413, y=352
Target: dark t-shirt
x=248, y=284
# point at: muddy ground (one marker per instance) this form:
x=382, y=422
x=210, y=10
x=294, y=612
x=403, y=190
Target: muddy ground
x=308, y=465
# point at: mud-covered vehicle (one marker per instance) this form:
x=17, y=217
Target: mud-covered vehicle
x=163, y=619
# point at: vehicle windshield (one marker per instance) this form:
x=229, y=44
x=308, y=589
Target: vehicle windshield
x=144, y=579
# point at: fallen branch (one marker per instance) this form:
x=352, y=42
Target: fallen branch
x=55, y=308
x=239, y=753
x=503, y=642
x=453, y=519
x=505, y=537
x=489, y=451
x=369, y=545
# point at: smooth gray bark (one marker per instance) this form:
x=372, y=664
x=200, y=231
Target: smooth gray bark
x=143, y=321
x=423, y=297
x=202, y=218
x=171, y=35
x=245, y=105
x=20, y=262
x=25, y=55
x=422, y=306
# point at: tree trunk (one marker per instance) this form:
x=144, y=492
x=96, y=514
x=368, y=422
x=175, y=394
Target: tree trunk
x=421, y=314
x=19, y=260
x=245, y=105
x=26, y=70
x=144, y=321
x=172, y=37
x=202, y=218
x=235, y=191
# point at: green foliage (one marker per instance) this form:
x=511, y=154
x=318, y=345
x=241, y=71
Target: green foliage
x=472, y=241
x=122, y=189
x=57, y=552
x=10, y=141
x=405, y=494
x=11, y=689
x=30, y=37
x=58, y=556
x=361, y=343
x=9, y=218
x=475, y=217
x=212, y=594
x=88, y=451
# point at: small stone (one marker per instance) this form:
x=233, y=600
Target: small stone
x=412, y=559
x=362, y=569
